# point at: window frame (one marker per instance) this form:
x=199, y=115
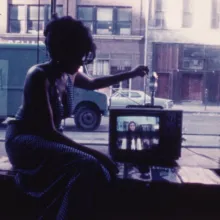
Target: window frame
x=25, y=29
x=18, y=20
x=88, y=20
x=161, y=9
x=138, y=95
x=33, y=20
x=187, y=13
x=95, y=66
x=107, y=21
x=115, y=22
x=215, y=14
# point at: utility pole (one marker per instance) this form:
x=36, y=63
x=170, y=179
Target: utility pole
x=38, y=33
x=53, y=7
x=146, y=7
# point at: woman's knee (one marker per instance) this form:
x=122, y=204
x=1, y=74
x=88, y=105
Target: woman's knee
x=91, y=166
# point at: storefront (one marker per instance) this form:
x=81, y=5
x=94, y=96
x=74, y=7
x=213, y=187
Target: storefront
x=188, y=72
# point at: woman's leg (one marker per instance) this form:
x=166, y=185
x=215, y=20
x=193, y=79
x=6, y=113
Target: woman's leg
x=69, y=179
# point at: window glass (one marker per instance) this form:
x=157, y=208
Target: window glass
x=188, y=5
x=32, y=24
x=33, y=12
x=59, y=11
x=124, y=21
x=89, y=25
x=104, y=27
x=124, y=14
x=123, y=28
x=215, y=16
x=101, y=67
x=187, y=20
x=187, y=13
x=124, y=94
x=16, y=12
x=135, y=95
x=85, y=13
x=106, y=21
x=15, y=26
x=16, y=18
x=104, y=14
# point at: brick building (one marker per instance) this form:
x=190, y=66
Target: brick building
x=183, y=47
x=118, y=28
x=177, y=38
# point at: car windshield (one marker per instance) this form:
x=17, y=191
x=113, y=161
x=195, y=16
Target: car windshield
x=177, y=39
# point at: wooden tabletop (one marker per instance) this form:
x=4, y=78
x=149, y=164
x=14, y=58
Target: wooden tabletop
x=177, y=174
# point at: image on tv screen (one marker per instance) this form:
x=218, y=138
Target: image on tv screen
x=137, y=133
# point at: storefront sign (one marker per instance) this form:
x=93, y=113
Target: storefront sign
x=24, y=42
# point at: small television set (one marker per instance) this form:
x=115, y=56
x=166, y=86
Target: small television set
x=145, y=135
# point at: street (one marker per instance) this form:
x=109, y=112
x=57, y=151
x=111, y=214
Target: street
x=204, y=124
x=194, y=123
x=200, y=124
x=195, y=127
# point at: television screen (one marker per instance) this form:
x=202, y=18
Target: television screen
x=138, y=132
x=141, y=135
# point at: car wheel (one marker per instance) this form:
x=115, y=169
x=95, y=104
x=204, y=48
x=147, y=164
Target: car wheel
x=87, y=118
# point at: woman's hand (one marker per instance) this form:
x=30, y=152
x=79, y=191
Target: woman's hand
x=140, y=71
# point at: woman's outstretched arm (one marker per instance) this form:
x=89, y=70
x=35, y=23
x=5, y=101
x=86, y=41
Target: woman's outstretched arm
x=85, y=82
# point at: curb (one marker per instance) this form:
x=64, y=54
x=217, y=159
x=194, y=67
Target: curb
x=197, y=111
x=105, y=143
x=201, y=112
x=83, y=142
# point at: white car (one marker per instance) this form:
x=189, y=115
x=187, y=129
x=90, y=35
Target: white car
x=122, y=98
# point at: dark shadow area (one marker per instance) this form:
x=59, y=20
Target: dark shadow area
x=128, y=199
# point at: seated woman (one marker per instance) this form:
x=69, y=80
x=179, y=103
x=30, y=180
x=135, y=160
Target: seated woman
x=63, y=174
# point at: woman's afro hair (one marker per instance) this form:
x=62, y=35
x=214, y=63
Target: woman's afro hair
x=68, y=38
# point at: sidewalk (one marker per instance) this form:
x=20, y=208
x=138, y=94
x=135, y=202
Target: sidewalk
x=197, y=108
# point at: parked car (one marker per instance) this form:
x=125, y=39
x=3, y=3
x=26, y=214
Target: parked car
x=122, y=98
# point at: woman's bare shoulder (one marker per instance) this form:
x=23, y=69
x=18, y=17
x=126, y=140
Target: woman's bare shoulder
x=37, y=70
x=36, y=83
x=37, y=73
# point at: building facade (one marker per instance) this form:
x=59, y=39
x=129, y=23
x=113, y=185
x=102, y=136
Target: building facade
x=118, y=28
x=183, y=39
x=179, y=39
